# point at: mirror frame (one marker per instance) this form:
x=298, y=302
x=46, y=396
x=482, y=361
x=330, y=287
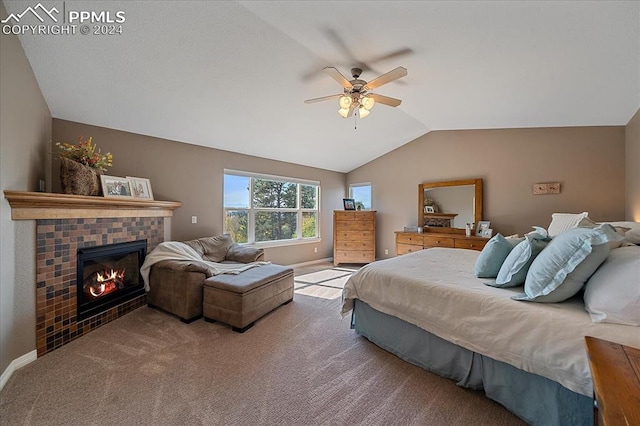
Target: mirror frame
x=477, y=207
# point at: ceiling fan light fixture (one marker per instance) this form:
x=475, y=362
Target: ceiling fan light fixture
x=367, y=102
x=363, y=112
x=344, y=112
x=345, y=102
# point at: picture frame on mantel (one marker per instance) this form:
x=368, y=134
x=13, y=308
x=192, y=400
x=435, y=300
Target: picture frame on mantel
x=116, y=187
x=141, y=188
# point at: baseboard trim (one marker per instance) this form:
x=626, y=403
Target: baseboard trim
x=312, y=262
x=17, y=364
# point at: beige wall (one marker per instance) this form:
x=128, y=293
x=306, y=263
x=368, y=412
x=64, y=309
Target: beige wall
x=587, y=161
x=25, y=132
x=194, y=175
x=632, y=170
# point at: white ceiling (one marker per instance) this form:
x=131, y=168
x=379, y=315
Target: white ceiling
x=234, y=75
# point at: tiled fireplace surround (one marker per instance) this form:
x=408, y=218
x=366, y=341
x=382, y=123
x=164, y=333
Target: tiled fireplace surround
x=65, y=223
x=57, y=242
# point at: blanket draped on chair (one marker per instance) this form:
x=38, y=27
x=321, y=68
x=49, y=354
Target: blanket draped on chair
x=175, y=250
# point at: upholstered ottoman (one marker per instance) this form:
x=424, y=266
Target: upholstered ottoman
x=239, y=300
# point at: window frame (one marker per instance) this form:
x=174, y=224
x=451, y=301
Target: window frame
x=251, y=210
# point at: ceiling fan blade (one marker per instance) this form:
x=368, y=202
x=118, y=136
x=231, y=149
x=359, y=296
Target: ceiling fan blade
x=324, y=98
x=337, y=76
x=392, y=55
x=385, y=100
x=337, y=41
x=386, y=78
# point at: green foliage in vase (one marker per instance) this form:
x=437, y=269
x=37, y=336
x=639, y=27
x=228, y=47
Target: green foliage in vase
x=87, y=153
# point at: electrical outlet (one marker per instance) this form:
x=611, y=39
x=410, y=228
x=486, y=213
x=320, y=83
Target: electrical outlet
x=386, y=251
x=315, y=249
x=194, y=219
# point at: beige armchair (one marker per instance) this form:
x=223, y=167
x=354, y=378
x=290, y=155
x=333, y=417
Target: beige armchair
x=176, y=286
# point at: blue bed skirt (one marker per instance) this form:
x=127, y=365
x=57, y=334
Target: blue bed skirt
x=535, y=399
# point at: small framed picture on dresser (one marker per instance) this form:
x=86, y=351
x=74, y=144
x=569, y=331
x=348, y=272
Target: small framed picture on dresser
x=349, y=203
x=482, y=226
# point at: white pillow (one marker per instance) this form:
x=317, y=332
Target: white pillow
x=561, y=222
x=633, y=234
x=612, y=294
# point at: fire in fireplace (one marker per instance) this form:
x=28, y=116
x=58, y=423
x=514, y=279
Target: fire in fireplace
x=109, y=275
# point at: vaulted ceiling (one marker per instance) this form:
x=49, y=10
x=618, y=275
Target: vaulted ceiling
x=234, y=75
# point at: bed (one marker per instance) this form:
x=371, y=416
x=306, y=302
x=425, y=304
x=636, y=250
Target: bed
x=429, y=309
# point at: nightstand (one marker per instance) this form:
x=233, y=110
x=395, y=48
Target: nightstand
x=615, y=370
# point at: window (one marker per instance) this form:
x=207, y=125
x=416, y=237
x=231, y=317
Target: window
x=261, y=209
x=361, y=193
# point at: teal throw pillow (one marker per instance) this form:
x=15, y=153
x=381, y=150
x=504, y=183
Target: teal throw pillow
x=514, y=270
x=493, y=255
x=567, y=263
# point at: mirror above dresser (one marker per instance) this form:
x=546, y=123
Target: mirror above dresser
x=444, y=208
x=447, y=206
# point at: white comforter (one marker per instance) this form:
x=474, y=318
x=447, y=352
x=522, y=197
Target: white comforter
x=435, y=289
x=175, y=250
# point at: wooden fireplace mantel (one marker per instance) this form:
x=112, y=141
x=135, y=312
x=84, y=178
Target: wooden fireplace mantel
x=44, y=205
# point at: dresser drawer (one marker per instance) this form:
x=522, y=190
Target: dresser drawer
x=437, y=241
x=406, y=248
x=360, y=256
x=355, y=236
x=354, y=245
x=470, y=244
x=415, y=239
x=344, y=225
x=365, y=216
x=344, y=215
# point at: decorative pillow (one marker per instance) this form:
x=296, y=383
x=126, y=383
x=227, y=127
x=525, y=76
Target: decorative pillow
x=612, y=294
x=632, y=235
x=568, y=261
x=514, y=269
x=493, y=255
x=561, y=222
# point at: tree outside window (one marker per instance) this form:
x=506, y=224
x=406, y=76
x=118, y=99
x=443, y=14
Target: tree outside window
x=280, y=208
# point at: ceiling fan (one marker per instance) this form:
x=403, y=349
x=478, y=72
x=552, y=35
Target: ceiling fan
x=357, y=93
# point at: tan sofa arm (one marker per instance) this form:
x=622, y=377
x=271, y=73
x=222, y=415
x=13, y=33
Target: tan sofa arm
x=244, y=254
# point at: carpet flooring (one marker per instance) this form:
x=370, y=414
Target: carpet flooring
x=299, y=365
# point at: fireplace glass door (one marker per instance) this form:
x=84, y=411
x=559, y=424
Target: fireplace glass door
x=109, y=275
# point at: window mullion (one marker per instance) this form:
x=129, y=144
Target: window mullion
x=251, y=226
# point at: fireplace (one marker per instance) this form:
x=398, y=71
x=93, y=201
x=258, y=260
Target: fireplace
x=108, y=275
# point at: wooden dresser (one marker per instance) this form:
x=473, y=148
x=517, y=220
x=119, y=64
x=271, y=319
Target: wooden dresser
x=354, y=236
x=408, y=242
x=615, y=370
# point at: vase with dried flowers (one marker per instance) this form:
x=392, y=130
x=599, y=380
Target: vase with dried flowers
x=81, y=165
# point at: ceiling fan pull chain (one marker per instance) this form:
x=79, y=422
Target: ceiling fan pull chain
x=355, y=121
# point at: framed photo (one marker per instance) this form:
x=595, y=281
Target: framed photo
x=141, y=188
x=349, y=203
x=487, y=233
x=429, y=209
x=482, y=226
x=116, y=187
